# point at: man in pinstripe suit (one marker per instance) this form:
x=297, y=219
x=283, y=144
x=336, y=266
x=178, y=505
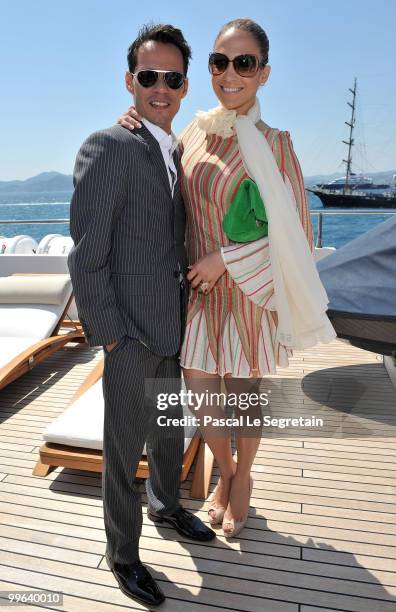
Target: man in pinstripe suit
x=128, y=270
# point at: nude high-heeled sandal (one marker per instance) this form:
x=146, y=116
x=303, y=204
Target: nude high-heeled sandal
x=238, y=525
x=215, y=513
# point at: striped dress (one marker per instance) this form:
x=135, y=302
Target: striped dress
x=233, y=329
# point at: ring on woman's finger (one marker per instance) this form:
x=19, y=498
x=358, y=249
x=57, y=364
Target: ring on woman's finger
x=204, y=287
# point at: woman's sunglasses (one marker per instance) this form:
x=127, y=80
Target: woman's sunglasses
x=245, y=65
x=148, y=78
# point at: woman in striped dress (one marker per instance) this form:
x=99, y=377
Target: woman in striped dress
x=232, y=322
x=232, y=326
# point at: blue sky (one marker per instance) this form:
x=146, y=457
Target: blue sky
x=62, y=70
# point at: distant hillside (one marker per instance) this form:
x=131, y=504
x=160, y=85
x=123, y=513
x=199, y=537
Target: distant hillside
x=44, y=182
x=56, y=183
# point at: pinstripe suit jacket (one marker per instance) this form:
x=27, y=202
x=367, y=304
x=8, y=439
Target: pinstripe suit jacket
x=128, y=235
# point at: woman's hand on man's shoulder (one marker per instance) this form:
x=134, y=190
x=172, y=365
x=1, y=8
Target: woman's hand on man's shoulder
x=131, y=119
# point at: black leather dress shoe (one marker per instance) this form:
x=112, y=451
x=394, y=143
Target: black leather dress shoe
x=136, y=582
x=185, y=523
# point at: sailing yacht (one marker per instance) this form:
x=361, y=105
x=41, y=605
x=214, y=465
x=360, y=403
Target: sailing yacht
x=353, y=190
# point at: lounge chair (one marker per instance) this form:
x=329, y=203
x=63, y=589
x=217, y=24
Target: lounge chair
x=32, y=308
x=75, y=439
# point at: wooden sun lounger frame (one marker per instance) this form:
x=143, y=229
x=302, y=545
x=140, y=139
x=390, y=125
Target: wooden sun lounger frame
x=54, y=455
x=36, y=353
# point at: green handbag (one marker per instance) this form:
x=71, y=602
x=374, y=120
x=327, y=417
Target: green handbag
x=246, y=219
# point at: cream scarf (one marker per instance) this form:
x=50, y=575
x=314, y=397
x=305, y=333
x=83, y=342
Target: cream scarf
x=300, y=298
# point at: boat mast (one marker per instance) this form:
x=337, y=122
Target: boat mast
x=350, y=142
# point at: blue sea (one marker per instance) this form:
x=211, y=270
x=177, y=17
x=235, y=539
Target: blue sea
x=336, y=230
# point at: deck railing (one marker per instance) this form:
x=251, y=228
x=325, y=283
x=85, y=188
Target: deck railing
x=319, y=213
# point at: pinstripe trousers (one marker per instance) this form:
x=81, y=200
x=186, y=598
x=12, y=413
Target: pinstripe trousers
x=132, y=377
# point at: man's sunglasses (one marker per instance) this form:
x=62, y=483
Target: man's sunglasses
x=148, y=78
x=245, y=65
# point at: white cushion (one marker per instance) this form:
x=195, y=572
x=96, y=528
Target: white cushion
x=21, y=321
x=18, y=321
x=45, y=242
x=13, y=346
x=18, y=317
x=40, y=289
x=81, y=424
x=61, y=245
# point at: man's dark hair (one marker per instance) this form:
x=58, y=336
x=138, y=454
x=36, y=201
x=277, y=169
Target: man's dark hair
x=253, y=28
x=160, y=33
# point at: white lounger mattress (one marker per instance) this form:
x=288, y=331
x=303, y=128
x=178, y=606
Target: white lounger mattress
x=17, y=324
x=23, y=324
x=27, y=320
x=81, y=424
x=13, y=346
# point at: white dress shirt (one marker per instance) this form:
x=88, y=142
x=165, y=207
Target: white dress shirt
x=168, y=144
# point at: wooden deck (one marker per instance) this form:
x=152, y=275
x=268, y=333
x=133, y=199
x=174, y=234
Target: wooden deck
x=321, y=533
